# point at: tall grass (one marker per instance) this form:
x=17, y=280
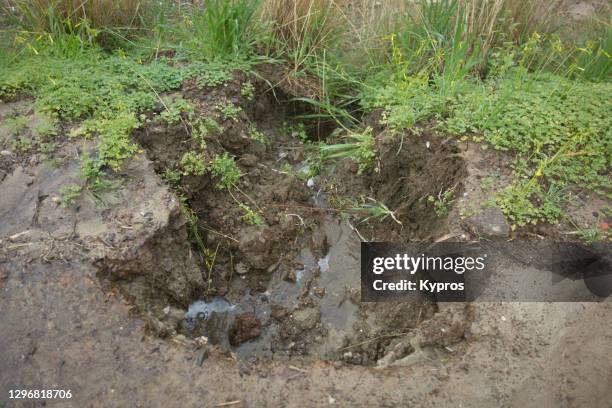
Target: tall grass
x=301, y=30
x=224, y=28
x=101, y=20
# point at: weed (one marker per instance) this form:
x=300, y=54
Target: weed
x=204, y=127
x=359, y=147
x=376, y=210
x=251, y=217
x=193, y=163
x=248, y=90
x=297, y=131
x=443, y=202
x=69, y=194
x=22, y=144
x=172, y=177
x=114, y=144
x=66, y=23
x=489, y=180
x=222, y=29
x=45, y=126
x=301, y=30
x=47, y=148
x=211, y=75
x=93, y=174
x=225, y=169
x=258, y=136
x=590, y=235
x=17, y=125
x=175, y=109
x=229, y=110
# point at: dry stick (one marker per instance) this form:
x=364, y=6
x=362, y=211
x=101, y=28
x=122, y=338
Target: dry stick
x=218, y=233
x=301, y=370
x=227, y=404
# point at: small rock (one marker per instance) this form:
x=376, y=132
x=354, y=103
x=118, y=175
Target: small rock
x=307, y=318
x=245, y=327
x=491, y=223
x=241, y=268
x=320, y=292
x=201, y=341
x=279, y=312
x=6, y=153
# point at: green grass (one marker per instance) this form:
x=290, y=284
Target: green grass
x=542, y=97
x=222, y=29
x=358, y=147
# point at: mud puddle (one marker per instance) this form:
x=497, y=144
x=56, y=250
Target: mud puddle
x=332, y=280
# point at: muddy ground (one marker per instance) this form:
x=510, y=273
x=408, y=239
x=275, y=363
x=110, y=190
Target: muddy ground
x=113, y=297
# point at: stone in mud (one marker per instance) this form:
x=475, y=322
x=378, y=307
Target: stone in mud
x=245, y=327
x=491, y=223
x=256, y=246
x=307, y=318
x=241, y=268
x=279, y=312
x=319, y=292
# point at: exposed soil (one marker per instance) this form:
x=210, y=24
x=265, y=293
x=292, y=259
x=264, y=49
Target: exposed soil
x=272, y=309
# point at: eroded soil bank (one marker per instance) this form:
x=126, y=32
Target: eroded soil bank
x=115, y=298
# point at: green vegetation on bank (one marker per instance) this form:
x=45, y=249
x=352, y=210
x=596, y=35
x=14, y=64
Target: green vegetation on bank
x=497, y=72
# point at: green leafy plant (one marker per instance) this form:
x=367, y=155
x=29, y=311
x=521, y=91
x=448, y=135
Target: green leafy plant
x=250, y=216
x=258, y=136
x=225, y=169
x=229, y=110
x=359, y=147
x=247, y=90
x=69, y=194
x=376, y=210
x=174, y=110
x=193, y=163
x=443, y=202
x=172, y=177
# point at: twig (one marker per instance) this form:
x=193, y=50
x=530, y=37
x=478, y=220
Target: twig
x=357, y=232
x=227, y=404
x=218, y=233
x=301, y=370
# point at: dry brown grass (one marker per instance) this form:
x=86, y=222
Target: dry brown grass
x=301, y=28
x=100, y=14
x=528, y=16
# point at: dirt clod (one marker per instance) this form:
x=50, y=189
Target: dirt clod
x=490, y=223
x=245, y=327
